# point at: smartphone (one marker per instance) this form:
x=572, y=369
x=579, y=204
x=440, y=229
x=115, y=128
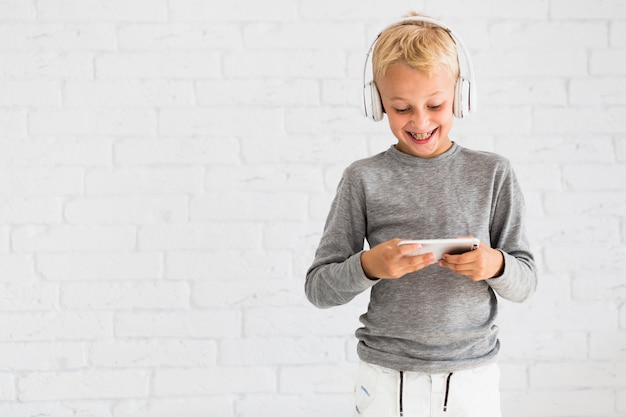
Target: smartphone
x=442, y=246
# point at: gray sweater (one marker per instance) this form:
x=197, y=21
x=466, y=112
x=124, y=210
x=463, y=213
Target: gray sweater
x=432, y=320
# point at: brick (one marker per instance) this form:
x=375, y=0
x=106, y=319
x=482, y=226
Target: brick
x=571, y=317
x=42, y=356
x=131, y=209
x=237, y=11
x=293, y=234
x=589, y=120
x=98, y=10
x=128, y=93
x=497, y=121
x=270, y=178
x=83, y=384
x=326, y=120
x=589, y=203
x=586, y=177
x=621, y=401
x=574, y=229
x=17, y=268
x=222, y=406
x=13, y=123
x=30, y=93
x=179, y=36
x=521, y=91
x=137, y=181
x=50, y=152
x=305, y=148
x=336, y=378
x=280, y=351
x=593, y=9
x=557, y=149
x=153, y=354
x=607, y=62
x=258, y=92
x=18, y=10
x=47, y=64
x=248, y=206
x=578, y=375
x=7, y=387
x=99, y=266
x=200, y=122
x=5, y=239
x=534, y=9
x=242, y=266
x=549, y=35
x=617, y=33
x=513, y=376
x=539, y=177
x=72, y=238
x=585, y=286
x=157, y=65
x=93, y=122
x=239, y=291
x=50, y=326
x=521, y=344
x=506, y=62
x=558, y=402
x=182, y=324
x=575, y=258
x=199, y=236
x=214, y=381
x=191, y=151
x=67, y=36
x=301, y=63
x=57, y=409
x=607, y=345
x=28, y=297
x=40, y=181
x=621, y=150
x=303, y=35
x=597, y=91
x=289, y=405
x=328, y=10
x=277, y=321
x=125, y=296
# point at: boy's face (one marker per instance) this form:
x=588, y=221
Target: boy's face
x=419, y=108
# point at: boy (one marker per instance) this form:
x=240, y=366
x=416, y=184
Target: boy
x=429, y=342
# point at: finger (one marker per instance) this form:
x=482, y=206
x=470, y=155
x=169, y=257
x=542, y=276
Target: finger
x=409, y=249
x=420, y=261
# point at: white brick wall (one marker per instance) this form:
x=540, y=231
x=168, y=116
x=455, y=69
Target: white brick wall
x=167, y=166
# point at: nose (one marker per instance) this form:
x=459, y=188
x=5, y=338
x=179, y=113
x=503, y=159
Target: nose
x=420, y=120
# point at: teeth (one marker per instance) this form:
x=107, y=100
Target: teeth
x=422, y=136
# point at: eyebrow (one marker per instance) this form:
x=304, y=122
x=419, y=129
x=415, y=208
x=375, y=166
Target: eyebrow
x=429, y=96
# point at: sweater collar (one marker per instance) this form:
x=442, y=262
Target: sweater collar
x=448, y=155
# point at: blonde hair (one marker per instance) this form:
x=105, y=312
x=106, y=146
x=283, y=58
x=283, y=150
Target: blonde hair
x=421, y=45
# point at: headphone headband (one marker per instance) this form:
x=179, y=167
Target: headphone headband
x=465, y=89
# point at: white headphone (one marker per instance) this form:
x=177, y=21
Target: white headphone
x=464, y=92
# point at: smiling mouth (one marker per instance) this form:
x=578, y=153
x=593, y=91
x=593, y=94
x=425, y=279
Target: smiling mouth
x=422, y=136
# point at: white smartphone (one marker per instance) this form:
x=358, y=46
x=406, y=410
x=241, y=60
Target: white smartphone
x=441, y=246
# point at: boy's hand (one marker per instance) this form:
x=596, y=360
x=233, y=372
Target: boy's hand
x=388, y=261
x=478, y=265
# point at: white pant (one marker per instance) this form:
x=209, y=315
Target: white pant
x=382, y=392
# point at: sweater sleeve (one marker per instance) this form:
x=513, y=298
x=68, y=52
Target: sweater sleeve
x=336, y=276
x=519, y=278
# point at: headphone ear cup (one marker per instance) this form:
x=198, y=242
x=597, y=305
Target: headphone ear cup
x=372, y=104
x=461, y=105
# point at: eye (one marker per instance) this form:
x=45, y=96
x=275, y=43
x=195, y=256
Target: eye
x=435, y=107
x=402, y=111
